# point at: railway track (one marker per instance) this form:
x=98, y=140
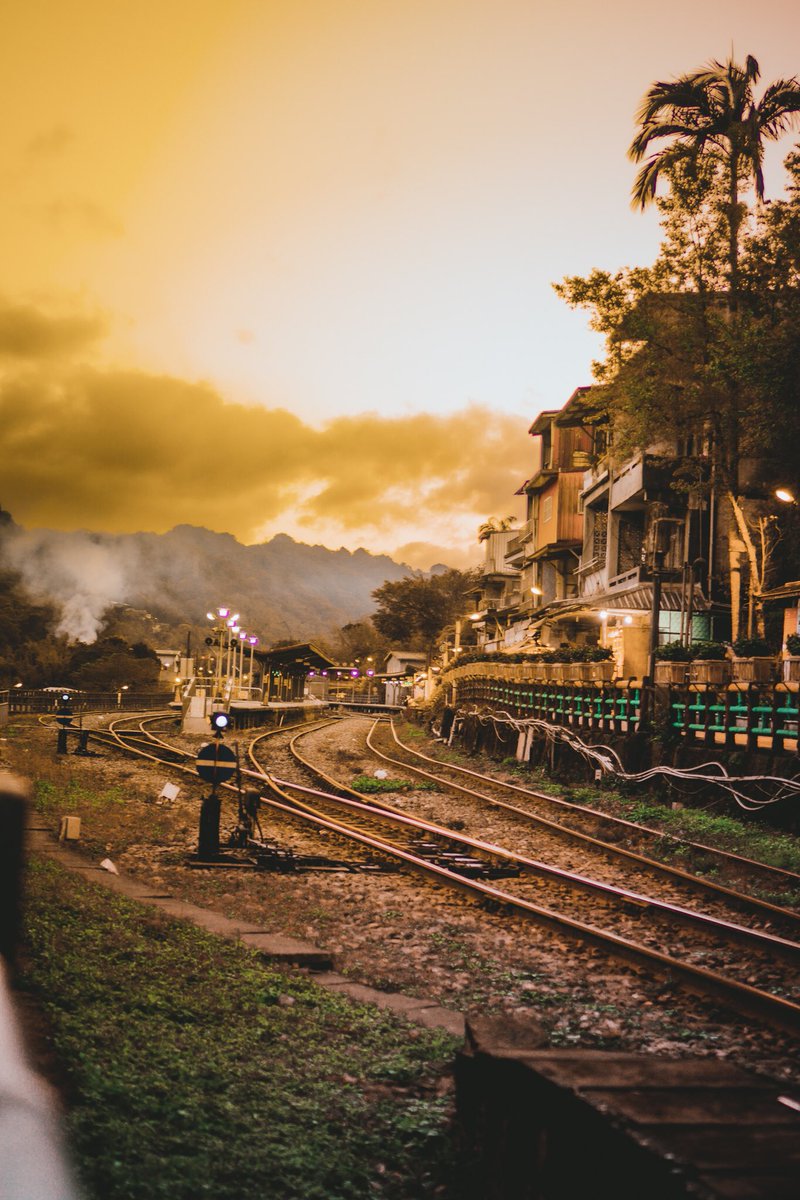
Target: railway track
x=467, y=863
x=385, y=829
x=590, y=826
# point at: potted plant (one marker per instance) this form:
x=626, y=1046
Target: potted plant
x=710, y=663
x=671, y=663
x=535, y=668
x=753, y=660
x=553, y=661
x=576, y=667
x=600, y=661
x=791, y=664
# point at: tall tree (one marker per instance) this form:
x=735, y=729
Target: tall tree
x=413, y=611
x=713, y=111
x=678, y=362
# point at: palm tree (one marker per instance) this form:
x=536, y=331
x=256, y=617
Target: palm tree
x=494, y=525
x=712, y=112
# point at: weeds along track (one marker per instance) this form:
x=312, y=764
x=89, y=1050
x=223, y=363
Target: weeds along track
x=705, y=953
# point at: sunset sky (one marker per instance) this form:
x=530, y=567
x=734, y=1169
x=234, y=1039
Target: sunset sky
x=286, y=266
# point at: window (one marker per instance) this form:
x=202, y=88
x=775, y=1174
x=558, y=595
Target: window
x=547, y=508
x=599, y=534
x=631, y=537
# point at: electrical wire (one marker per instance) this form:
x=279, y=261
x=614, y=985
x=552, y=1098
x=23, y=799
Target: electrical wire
x=750, y=792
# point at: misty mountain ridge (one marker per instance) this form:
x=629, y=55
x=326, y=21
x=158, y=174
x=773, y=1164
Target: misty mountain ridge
x=283, y=589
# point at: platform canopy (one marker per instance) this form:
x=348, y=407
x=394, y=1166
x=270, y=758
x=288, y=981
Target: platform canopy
x=298, y=658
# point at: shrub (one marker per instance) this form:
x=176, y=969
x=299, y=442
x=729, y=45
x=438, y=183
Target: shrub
x=793, y=643
x=597, y=654
x=752, y=647
x=674, y=652
x=701, y=651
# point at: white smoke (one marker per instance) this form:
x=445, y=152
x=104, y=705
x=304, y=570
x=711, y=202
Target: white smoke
x=80, y=573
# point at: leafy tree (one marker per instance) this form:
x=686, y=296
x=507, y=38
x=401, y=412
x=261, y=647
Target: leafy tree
x=360, y=639
x=679, y=362
x=413, y=611
x=713, y=112
x=29, y=650
x=112, y=663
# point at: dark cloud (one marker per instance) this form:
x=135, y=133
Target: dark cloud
x=28, y=333
x=121, y=451
x=79, y=214
x=49, y=142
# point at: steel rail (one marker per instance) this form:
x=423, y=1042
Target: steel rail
x=730, y=930
x=685, y=916
x=697, y=882
x=740, y=860
x=744, y=998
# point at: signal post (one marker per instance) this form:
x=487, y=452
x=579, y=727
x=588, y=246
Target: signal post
x=215, y=764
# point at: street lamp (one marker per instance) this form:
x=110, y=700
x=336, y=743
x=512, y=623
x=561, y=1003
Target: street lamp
x=253, y=643
x=785, y=495
x=222, y=614
x=242, y=640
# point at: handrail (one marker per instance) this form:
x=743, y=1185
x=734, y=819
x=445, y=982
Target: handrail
x=33, y=1165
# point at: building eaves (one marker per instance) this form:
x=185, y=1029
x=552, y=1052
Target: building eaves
x=537, y=481
x=556, y=549
x=543, y=420
x=635, y=599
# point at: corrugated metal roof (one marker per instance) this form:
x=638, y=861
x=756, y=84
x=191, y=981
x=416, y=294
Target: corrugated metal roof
x=786, y=591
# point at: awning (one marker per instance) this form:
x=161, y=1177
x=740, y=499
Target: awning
x=641, y=599
x=301, y=656
x=635, y=599
x=786, y=591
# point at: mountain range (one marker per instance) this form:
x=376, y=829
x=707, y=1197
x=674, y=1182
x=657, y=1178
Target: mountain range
x=284, y=590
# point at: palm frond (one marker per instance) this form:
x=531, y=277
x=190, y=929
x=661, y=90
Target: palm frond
x=643, y=191
x=752, y=69
x=671, y=97
x=779, y=107
x=644, y=187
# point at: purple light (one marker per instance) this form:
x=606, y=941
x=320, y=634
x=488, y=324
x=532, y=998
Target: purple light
x=324, y=672
x=370, y=672
x=354, y=674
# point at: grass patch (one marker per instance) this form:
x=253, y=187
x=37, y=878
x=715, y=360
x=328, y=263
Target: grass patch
x=724, y=832
x=411, y=732
x=195, y=1070
x=368, y=784
x=66, y=799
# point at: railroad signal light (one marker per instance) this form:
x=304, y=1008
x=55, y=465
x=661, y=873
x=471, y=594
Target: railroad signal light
x=63, y=721
x=220, y=721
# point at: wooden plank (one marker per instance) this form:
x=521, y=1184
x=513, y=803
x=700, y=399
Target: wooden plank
x=582, y=1069
x=695, y=1106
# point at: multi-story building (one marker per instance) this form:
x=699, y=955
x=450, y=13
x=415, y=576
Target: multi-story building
x=646, y=516
x=547, y=548
x=495, y=598
x=582, y=567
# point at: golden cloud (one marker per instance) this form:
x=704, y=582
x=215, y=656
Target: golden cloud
x=27, y=333
x=121, y=451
